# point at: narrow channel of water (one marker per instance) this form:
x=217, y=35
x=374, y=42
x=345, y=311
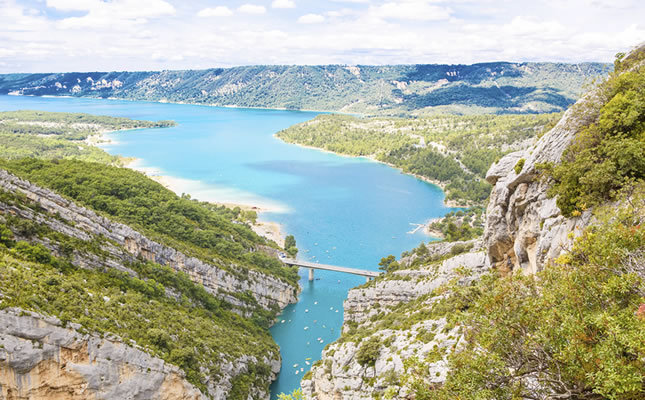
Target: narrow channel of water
x=342, y=210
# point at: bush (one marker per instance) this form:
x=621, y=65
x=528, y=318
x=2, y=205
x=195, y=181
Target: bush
x=609, y=153
x=519, y=165
x=573, y=331
x=369, y=352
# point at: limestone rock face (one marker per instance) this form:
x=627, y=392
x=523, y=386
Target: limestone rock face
x=340, y=376
x=40, y=359
x=79, y=222
x=524, y=228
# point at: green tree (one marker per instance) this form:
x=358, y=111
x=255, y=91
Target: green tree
x=388, y=263
x=290, y=245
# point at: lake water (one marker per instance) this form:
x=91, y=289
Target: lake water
x=342, y=210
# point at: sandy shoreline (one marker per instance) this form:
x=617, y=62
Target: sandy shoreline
x=268, y=229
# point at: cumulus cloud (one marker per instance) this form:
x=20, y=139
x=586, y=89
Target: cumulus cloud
x=252, y=9
x=283, y=4
x=311, y=19
x=115, y=13
x=419, y=10
x=219, y=11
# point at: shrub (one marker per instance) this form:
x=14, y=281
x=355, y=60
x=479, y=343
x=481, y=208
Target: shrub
x=519, y=165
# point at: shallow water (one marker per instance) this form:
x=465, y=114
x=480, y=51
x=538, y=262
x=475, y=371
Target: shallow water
x=342, y=210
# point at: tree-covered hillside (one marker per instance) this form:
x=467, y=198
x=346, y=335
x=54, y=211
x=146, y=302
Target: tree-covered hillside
x=455, y=151
x=498, y=87
x=51, y=135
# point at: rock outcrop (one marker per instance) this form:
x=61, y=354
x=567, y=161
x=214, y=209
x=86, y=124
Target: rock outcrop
x=339, y=375
x=41, y=359
x=524, y=227
x=124, y=244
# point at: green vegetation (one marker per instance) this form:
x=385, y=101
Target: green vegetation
x=190, y=328
x=455, y=151
x=199, y=229
x=52, y=135
x=460, y=225
x=609, y=152
x=290, y=245
x=574, y=330
x=520, y=164
x=497, y=87
x=295, y=395
x=369, y=351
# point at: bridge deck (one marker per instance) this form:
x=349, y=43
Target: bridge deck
x=355, y=271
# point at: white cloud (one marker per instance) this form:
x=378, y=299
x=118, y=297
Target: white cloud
x=283, y=4
x=252, y=9
x=72, y=5
x=311, y=19
x=219, y=11
x=151, y=34
x=340, y=13
x=419, y=10
x=116, y=13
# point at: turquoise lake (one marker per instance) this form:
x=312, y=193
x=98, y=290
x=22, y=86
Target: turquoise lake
x=342, y=210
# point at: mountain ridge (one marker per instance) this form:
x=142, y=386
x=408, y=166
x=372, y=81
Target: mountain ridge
x=415, y=89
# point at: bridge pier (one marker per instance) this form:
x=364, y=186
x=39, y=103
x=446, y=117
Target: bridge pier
x=311, y=274
x=367, y=279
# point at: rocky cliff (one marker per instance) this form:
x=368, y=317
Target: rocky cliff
x=41, y=359
x=394, y=314
x=124, y=244
x=524, y=227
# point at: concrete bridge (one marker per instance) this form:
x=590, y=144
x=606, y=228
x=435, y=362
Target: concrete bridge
x=312, y=266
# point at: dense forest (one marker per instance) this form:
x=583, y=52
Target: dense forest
x=498, y=87
x=455, y=151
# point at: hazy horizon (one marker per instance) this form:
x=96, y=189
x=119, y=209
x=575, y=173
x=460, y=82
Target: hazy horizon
x=40, y=36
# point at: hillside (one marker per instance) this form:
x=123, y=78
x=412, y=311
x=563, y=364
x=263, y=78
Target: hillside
x=497, y=87
x=548, y=304
x=107, y=272
x=52, y=135
x=140, y=285
x=452, y=151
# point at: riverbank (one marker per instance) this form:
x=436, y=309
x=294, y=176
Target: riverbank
x=268, y=229
x=450, y=203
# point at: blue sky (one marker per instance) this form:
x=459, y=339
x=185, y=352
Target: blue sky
x=99, y=35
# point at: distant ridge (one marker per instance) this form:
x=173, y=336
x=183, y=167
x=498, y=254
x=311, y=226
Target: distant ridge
x=496, y=87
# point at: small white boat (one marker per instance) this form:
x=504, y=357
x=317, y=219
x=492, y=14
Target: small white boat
x=315, y=302
x=297, y=372
x=295, y=365
x=282, y=322
x=306, y=327
x=307, y=362
x=306, y=310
